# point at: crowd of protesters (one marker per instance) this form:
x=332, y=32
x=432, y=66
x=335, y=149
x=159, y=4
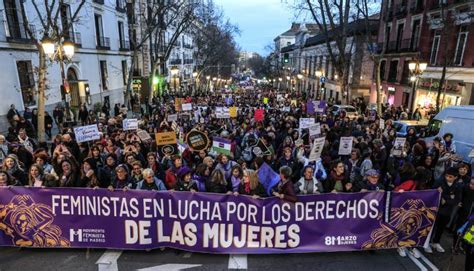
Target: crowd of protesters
x=122, y=160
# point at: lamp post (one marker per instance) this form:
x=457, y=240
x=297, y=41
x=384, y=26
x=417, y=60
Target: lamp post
x=300, y=77
x=174, y=72
x=279, y=83
x=208, y=83
x=318, y=74
x=416, y=69
x=195, y=79
x=64, y=49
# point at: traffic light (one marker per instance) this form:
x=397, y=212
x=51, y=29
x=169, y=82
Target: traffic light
x=286, y=58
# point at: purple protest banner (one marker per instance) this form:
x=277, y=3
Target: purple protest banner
x=214, y=223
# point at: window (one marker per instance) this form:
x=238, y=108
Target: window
x=103, y=74
x=27, y=82
x=387, y=36
x=124, y=72
x=461, y=44
x=99, y=32
x=406, y=72
x=400, y=35
x=392, y=73
x=121, y=35
x=434, y=48
x=383, y=63
x=415, y=35
x=66, y=22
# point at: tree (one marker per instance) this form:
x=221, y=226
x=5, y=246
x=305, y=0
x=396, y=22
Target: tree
x=48, y=14
x=216, y=47
x=332, y=18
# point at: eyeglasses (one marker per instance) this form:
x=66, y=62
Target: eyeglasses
x=136, y=168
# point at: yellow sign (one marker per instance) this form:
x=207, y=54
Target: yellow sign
x=177, y=104
x=233, y=112
x=167, y=138
x=265, y=100
x=294, y=102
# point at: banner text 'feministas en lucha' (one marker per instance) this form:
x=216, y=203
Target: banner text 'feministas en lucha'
x=214, y=223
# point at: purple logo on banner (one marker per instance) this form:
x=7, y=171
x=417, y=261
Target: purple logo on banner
x=214, y=223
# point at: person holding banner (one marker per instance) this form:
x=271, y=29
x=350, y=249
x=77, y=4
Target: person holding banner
x=37, y=177
x=200, y=177
x=89, y=174
x=14, y=169
x=150, y=182
x=225, y=165
x=171, y=176
x=250, y=185
x=185, y=181
x=338, y=179
x=70, y=174
x=284, y=189
x=122, y=179
x=308, y=184
x=217, y=183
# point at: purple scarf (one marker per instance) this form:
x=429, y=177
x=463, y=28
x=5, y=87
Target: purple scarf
x=235, y=183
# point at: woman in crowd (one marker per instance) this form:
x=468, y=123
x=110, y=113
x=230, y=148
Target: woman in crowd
x=217, y=183
x=250, y=185
x=337, y=180
x=14, y=169
x=185, y=181
x=122, y=179
x=200, y=177
x=6, y=179
x=236, y=177
x=284, y=189
x=89, y=174
x=225, y=165
x=150, y=182
x=38, y=178
x=69, y=176
x=42, y=160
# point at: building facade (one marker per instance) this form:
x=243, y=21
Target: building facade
x=436, y=32
x=97, y=71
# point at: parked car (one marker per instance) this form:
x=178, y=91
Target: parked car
x=402, y=126
x=351, y=111
x=457, y=120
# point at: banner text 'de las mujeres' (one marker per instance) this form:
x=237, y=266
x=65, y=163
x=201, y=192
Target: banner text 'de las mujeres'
x=213, y=223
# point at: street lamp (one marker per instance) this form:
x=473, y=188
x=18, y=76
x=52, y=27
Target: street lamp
x=66, y=49
x=319, y=73
x=416, y=69
x=174, y=72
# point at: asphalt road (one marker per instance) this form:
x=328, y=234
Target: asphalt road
x=169, y=259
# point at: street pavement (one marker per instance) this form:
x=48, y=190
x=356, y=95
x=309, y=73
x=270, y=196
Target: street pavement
x=170, y=260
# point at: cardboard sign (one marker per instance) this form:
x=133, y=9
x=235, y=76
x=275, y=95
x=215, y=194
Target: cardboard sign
x=197, y=140
x=233, y=112
x=259, y=114
x=294, y=102
x=317, y=149
x=168, y=149
x=165, y=138
x=177, y=104
x=187, y=107
x=398, y=145
x=222, y=113
x=87, y=133
x=345, y=145
x=381, y=124
x=315, y=129
x=319, y=106
x=306, y=122
x=260, y=149
x=130, y=124
x=143, y=135
x=172, y=117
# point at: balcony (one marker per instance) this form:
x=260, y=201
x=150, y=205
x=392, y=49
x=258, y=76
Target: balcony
x=18, y=33
x=124, y=45
x=175, y=62
x=98, y=1
x=407, y=45
x=103, y=43
x=392, y=47
x=120, y=6
x=401, y=11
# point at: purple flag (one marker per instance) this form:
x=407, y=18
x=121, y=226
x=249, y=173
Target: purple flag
x=310, y=107
x=268, y=178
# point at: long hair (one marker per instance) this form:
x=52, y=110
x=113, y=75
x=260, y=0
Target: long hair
x=253, y=179
x=31, y=179
x=217, y=176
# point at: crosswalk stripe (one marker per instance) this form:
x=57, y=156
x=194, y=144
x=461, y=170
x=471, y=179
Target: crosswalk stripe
x=417, y=262
x=428, y=262
x=237, y=261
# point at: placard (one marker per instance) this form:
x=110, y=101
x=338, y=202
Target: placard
x=130, y=124
x=172, y=117
x=222, y=113
x=345, y=145
x=306, y=123
x=315, y=129
x=259, y=114
x=381, y=124
x=317, y=149
x=187, y=107
x=87, y=133
x=221, y=145
x=233, y=112
x=165, y=138
x=197, y=140
x=143, y=135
